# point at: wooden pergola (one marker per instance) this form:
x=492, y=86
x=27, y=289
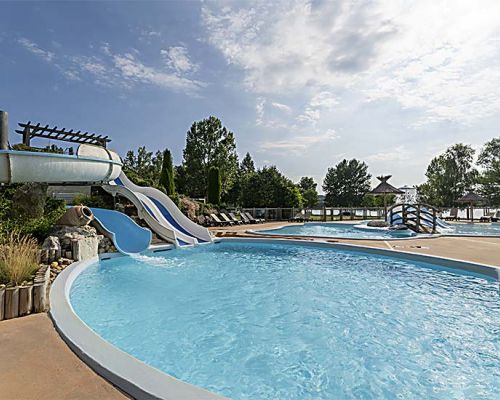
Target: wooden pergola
x=30, y=131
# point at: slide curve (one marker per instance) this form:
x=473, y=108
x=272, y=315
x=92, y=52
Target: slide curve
x=127, y=236
x=160, y=213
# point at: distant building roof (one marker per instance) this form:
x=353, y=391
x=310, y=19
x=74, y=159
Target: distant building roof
x=384, y=187
x=471, y=197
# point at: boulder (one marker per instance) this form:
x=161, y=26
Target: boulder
x=378, y=224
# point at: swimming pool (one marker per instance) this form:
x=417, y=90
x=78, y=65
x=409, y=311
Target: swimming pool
x=275, y=321
x=336, y=230
x=476, y=229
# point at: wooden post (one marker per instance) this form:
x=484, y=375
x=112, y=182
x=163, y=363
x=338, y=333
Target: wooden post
x=39, y=301
x=2, y=302
x=417, y=222
x=26, y=136
x=340, y=214
x=434, y=220
x=25, y=300
x=4, y=130
x=11, y=302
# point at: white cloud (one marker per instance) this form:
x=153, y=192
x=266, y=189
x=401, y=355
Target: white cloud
x=324, y=99
x=299, y=143
x=33, y=48
x=177, y=58
x=310, y=116
x=124, y=70
x=282, y=107
x=133, y=70
x=400, y=153
x=438, y=58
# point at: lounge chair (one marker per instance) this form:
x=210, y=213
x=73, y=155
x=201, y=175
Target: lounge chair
x=226, y=219
x=453, y=215
x=244, y=218
x=252, y=219
x=299, y=217
x=217, y=221
x=234, y=219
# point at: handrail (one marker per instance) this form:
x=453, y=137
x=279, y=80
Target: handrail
x=414, y=216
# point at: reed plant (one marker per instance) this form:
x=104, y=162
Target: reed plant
x=19, y=258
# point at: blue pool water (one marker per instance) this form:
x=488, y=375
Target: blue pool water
x=267, y=321
x=336, y=230
x=476, y=229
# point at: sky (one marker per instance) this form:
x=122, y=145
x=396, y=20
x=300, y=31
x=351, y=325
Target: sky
x=302, y=84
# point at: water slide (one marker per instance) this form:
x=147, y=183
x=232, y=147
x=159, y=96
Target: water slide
x=128, y=237
x=160, y=213
x=426, y=219
x=91, y=164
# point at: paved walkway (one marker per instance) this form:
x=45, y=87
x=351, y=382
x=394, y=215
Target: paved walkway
x=36, y=364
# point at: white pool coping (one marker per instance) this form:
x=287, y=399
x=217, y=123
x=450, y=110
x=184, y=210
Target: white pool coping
x=142, y=381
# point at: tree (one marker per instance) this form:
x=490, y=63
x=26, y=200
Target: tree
x=307, y=188
x=214, y=186
x=268, y=187
x=448, y=176
x=144, y=168
x=209, y=144
x=371, y=200
x=245, y=170
x=489, y=159
x=346, y=183
x=167, y=173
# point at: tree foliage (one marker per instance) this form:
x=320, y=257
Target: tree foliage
x=307, y=188
x=489, y=160
x=346, y=183
x=167, y=173
x=143, y=168
x=268, y=187
x=209, y=144
x=214, y=186
x=448, y=176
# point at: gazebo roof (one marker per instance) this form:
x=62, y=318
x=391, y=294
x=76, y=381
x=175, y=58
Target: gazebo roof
x=471, y=197
x=384, y=187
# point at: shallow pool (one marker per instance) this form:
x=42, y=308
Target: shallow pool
x=267, y=321
x=336, y=230
x=476, y=229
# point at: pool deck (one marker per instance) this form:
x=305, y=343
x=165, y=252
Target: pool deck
x=37, y=364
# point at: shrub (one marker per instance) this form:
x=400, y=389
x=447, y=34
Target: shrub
x=19, y=258
x=90, y=201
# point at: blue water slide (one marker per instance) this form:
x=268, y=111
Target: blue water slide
x=127, y=236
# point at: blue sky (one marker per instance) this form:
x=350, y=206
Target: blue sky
x=302, y=84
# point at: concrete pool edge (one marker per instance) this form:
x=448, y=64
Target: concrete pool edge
x=142, y=381
x=126, y=372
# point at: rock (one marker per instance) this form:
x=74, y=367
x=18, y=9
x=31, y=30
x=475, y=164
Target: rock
x=51, y=243
x=85, y=248
x=54, y=264
x=378, y=224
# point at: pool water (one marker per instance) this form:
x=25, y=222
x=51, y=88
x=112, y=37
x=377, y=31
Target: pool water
x=336, y=230
x=278, y=321
x=476, y=229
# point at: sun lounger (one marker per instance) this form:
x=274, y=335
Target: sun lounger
x=245, y=218
x=226, y=219
x=217, y=221
x=234, y=219
x=252, y=219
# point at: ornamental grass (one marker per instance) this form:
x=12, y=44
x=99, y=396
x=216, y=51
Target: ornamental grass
x=19, y=258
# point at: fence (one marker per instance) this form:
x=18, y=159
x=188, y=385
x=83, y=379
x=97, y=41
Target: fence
x=318, y=214
x=345, y=213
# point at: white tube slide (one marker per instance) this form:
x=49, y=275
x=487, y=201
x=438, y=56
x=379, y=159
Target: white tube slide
x=160, y=213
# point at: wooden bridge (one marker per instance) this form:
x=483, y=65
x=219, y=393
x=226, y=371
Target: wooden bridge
x=419, y=217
